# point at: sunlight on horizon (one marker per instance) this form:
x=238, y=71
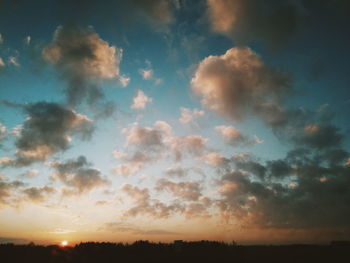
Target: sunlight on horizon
x=64, y=243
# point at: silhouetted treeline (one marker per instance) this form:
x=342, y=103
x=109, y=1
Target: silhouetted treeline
x=179, y=251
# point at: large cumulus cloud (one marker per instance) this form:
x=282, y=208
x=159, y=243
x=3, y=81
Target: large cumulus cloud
x=237, y=82
x=47, y=130
x=83, y=59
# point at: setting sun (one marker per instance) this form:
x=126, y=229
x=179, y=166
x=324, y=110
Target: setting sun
x=64, y=243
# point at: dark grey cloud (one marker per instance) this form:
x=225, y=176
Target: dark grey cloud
x=38, y=194
x=7, y=189
x=3, y=134
x=272, y=22
x=156, y=14
x=83, y=59
x=176, y=171
x=313, y=129
x=252, y=166
x=78, y=176
x=307, y=189
x=47, y=130
x=158, y=10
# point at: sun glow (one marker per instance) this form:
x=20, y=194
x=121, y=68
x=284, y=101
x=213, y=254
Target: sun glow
x=64, y=243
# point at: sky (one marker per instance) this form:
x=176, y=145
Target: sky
x=174, y=119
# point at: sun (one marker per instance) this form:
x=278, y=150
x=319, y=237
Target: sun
x=64, y=243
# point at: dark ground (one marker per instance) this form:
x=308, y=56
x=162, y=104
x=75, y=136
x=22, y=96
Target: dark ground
x=180, y=252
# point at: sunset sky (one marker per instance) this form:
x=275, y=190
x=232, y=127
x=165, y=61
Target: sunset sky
x=174, y=119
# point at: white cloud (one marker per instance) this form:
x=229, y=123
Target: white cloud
x=190, y=116
x=13, y=61
x=124, y=81
x=234, y=137
x=214, y=159
x=146, y=74
x=27, y=40
x=140, y=101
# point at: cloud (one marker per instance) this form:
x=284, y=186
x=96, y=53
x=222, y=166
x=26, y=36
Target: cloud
x=271, y=22
x=2, y=63
x=38, y=194
x=83, y=59
x=27, y=40
x=214, y=159
x=196, y=205
x=145, y=144
x=13, y=61
x=248, y=164
x=5, y=161
x=126, y=227
x=144, y=205
x=237, y=82
x=78, y=175
x=7, y=189
x=176, y=171
x=144, y=137
x=140, y=101
x=306, y=128
x=158, y=10
x=234, y=137
x=3, y=132
x=198, y=209
x=190, y=190
x=133, y=163
x=148, y=74
x=296, y=192
x=318, y=136
x=47, y=130
x=150, y=144
x=190, y=116
x=194, y=145
x=29, y=173
x=124, y=81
